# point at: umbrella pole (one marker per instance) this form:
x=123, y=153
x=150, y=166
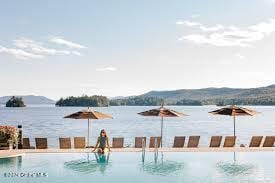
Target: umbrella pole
x=88, y=132
x=161, y=132
x=234, y=119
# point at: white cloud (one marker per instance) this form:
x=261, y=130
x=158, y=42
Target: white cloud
x=76, y=53
x=25, y=48
x=240, y=56
x=188, y=23
x=106, y=69
x=37, y=47
x=214, y=28
x=229, y=38
x=70, y=44
x=20, y=54
x=229, y=35
x=200, y=26
x=264, y=27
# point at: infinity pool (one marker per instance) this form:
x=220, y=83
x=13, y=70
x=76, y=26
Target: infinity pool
x=129, y=167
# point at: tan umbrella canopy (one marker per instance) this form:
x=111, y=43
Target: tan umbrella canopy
x=88, y=114
x=234, y=111
x=162, y=112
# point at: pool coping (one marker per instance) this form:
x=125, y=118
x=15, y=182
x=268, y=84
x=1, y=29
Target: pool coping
x=21, y=152
x=10, y=154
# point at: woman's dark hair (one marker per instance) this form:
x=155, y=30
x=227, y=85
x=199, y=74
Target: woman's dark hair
x=103, y=131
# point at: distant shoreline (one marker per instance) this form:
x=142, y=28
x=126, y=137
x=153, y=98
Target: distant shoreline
x=54, y=106
x=261, y=96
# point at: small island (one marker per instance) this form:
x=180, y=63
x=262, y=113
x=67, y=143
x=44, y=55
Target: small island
x=84, y=101
x=15, y=102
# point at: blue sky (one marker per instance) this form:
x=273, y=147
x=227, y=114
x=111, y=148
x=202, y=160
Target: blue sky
x=119, y=47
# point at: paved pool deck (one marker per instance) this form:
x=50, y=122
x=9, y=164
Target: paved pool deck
x=21, y=152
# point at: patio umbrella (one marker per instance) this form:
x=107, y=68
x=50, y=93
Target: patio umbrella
x=162, y=112
x=234, y=111
x=88, y=114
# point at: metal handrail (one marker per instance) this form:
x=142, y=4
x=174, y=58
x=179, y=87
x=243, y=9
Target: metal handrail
x=143, y=149
x=156, y=149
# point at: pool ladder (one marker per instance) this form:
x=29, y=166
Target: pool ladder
x=155, y=149
x=143, y=149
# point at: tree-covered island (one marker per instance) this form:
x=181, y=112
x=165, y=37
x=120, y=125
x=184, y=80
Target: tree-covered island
x=15, y=102
x=84, y=101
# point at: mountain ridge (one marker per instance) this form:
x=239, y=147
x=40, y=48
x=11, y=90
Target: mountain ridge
x=29, y=99
x=214, y=95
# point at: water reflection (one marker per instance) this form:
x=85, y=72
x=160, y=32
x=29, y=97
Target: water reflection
x=235, y=168
x=99, y=164
x=12, y=162
x=162, y=167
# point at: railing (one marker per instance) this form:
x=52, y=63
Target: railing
x=156, y=149
x=143, y=145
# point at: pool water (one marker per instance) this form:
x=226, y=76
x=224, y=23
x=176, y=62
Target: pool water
x=129, y=167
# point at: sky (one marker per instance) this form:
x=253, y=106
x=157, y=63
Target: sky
x=121, y=47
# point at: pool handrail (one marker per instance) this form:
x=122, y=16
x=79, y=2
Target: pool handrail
x=152, y=142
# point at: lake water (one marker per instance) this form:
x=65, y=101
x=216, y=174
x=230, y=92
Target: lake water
x=48, y=121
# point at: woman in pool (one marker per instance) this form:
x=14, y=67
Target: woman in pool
x=102, y=143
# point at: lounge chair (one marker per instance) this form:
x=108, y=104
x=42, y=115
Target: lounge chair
x=41, y=143
x=118, y=143
x=65, y=143
x=193, y=141
x=269, y=141
x=256, y=141
x=229, y=141
x=215, y=141
x=179, y=141
x=152, y=142
x=26, y=144
x=138, y=142
x=79, y=142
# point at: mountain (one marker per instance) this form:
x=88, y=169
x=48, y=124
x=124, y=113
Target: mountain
x=29, y=99
x=119, y=97
x=248, y=96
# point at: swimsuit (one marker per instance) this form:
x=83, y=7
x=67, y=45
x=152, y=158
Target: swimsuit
x=102, y=142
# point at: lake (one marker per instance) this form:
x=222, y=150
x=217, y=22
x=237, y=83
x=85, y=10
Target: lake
x=48, y=121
